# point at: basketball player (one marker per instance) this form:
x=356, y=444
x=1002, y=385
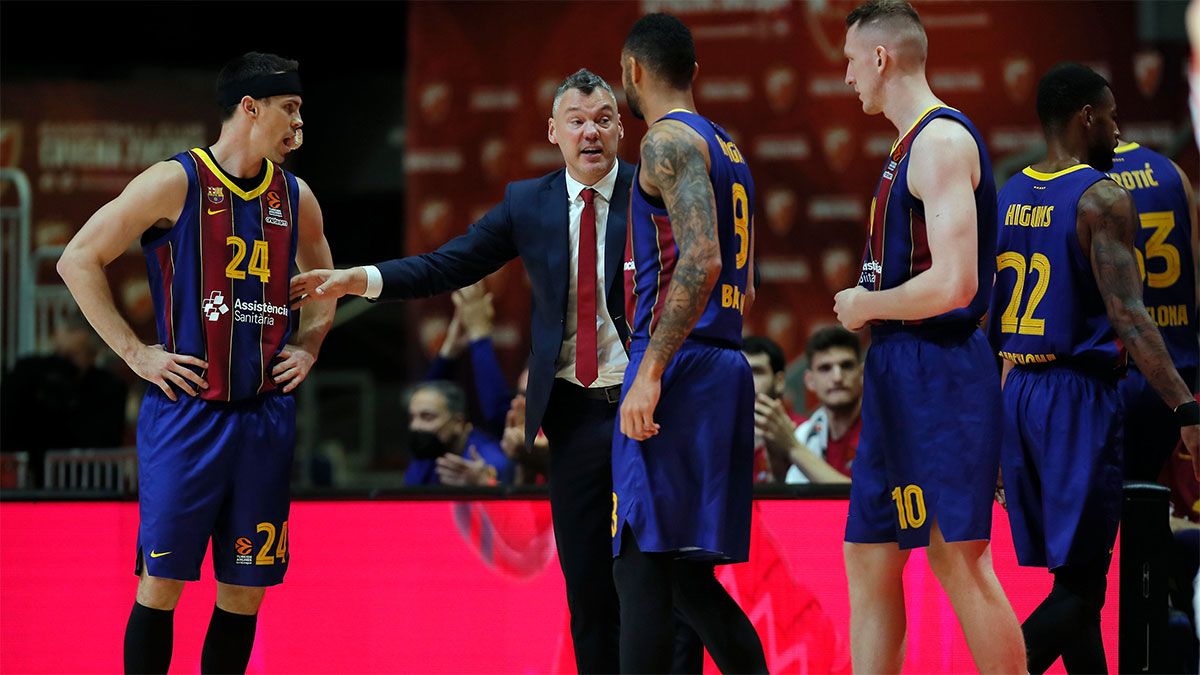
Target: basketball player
x=1166, y=250
x=223, y=228
x=1067, y=302
x=682, y=461
x=928, y=455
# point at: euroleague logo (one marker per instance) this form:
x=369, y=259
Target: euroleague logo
x=274, y=210
x=243, y=547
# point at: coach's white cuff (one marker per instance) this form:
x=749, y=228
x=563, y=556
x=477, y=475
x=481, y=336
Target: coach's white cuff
x=374, y=282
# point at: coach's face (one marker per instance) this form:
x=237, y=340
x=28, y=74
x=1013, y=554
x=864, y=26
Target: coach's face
x=864, y=67
x=587, y=128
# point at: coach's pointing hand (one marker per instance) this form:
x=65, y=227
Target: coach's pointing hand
x=327, y=285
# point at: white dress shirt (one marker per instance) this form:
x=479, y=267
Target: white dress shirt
x=610, y=352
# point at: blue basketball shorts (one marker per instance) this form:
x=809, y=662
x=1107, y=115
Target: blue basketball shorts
x=1062, y=465
x=220, y=471
x=930, y=445
x=688, y=489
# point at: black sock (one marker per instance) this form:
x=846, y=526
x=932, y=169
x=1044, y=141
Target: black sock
x=228, y=642
x=148, y=639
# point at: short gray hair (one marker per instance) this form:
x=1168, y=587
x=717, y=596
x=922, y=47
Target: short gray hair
x=456, y=399
x=586, y=82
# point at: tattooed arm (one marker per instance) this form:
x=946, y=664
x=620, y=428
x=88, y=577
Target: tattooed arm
x=1106, y=222
x=675, y=167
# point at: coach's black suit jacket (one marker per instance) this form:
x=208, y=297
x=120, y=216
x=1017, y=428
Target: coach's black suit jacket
x=531, y=222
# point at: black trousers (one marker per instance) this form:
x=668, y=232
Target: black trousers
x=580, y=430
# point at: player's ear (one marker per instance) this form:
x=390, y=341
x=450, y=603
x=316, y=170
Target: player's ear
x=809, y=378
x=881, y=56
x=635, y=69
x=695, y=71
x=550, y=135
x=249, y=106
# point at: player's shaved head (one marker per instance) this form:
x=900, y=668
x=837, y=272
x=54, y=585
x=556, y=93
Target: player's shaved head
x=895, y=25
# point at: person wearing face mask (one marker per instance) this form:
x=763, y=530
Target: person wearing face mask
x=446, y=448
x=568, y=227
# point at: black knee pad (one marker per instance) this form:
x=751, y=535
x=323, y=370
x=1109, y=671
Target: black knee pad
x=1087, y=582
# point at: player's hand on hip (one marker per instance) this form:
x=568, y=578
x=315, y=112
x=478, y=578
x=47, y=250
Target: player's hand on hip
x=637, y=410
x=316, y=285
x=293, y=366
x=848, y=308
x=158, y=366
x=1191, y=440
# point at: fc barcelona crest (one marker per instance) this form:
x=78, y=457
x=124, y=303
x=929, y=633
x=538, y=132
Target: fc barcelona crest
x=216, y=194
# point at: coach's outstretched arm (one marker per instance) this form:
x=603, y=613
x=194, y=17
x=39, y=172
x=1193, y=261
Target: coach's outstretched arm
x=1106, y=225
x=484, y=248
x=154, y=197
x=675, y=163
x=299, y=355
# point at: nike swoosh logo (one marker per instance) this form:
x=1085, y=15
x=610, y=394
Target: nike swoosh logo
x=213, y=213
x=159, y=555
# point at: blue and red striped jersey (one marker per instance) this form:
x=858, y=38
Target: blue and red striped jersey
x=898, y=243
x=219, y=278
x=1046, y=305
x=1164, y=244
x=651, y=250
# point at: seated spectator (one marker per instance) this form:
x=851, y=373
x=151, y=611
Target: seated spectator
x=470, y=331
x=446, y=448
x=774, y=423
x=826, y=442
x=62, y=400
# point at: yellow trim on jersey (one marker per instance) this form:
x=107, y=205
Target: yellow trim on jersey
x=920, y=119
x=675, y=110
x=1038, y=175
x=253, y=194
x=1126, y=148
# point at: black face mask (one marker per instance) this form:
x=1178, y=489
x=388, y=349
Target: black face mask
x=426, y=445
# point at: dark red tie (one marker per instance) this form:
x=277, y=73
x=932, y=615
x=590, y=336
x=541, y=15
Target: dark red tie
x=586, y=367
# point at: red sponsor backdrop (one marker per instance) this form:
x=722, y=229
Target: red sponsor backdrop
x=447, y=587
x=80, y=143
x=481, y=77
